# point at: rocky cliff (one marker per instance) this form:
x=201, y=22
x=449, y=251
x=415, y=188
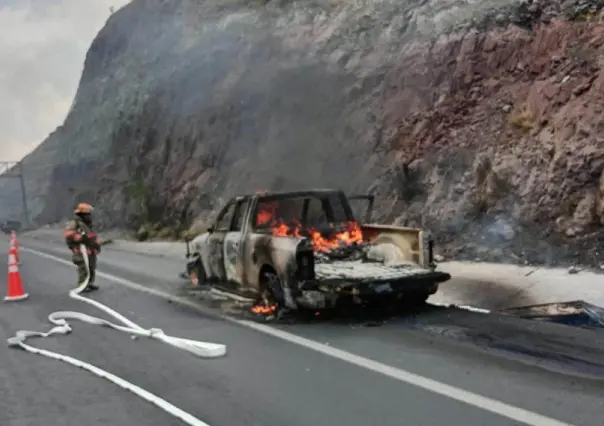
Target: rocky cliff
x=481, y=120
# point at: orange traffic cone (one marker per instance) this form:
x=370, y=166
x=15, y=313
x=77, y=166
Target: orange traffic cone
x=15, y=286
x=15, y=244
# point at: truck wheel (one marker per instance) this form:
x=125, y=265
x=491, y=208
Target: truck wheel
x=271, y=293
x=197, y=275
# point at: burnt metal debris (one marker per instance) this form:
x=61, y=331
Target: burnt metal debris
x=577, y=313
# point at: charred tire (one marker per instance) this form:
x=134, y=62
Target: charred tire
x=199, y=270
x=271, y=292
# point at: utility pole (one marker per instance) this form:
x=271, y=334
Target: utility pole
x=14, y=169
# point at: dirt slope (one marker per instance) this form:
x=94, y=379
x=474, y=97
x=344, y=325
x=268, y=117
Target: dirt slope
x=480, y=120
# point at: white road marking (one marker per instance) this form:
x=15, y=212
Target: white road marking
x=443, y=389
x=61, y=326
x=463, y=307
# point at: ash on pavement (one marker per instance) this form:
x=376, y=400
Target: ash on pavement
x=556, y=347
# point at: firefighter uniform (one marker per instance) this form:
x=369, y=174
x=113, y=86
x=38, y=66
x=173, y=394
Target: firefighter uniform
x=79, y=231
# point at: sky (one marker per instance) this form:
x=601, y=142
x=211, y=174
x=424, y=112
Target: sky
x=43, y=44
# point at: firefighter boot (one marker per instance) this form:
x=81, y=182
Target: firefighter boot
x=83, y=276
x=92, y=272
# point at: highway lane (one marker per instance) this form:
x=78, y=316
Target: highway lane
x=265, y=380
x=262, y=381
x=36, y=390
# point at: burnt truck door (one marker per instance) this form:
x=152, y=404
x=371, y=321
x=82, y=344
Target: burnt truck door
x=233, y=246
x=356, y=204
x=215, y=268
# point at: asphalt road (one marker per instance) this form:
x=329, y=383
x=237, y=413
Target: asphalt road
x=319, y=373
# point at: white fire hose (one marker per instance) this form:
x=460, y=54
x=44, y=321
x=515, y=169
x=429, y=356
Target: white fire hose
x=200, y=349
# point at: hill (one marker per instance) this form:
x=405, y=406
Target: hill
x=479, y=120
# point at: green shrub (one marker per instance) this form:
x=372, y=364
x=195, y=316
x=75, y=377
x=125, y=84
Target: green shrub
x=143, y=233
x=166, y=233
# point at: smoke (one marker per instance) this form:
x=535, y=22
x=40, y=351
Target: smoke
x=271, y=97
x=276, y=92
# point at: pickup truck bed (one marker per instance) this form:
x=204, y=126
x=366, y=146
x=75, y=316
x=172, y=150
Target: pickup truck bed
x=374, y=278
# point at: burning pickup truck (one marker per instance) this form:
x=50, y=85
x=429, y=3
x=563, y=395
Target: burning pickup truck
x=308, y=250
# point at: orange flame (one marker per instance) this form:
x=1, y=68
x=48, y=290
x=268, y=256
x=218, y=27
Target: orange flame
x=352, y=234
x=267, y=214
x=264, y=217
x=264, y=310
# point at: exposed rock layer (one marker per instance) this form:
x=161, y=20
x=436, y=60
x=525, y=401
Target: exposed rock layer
x=482, y=121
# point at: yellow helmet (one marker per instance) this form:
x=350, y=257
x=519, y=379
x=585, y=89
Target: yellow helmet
x=83, y=208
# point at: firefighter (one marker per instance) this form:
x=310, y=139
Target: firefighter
x=79, y=231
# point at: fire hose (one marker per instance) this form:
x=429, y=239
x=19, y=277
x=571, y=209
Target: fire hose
x=200, y=349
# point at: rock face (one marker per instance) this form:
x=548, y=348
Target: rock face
x=481, y=120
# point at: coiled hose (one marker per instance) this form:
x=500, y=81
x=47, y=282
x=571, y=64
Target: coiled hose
x=59, y=319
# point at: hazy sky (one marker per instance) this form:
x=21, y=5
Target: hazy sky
x=43, y=44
